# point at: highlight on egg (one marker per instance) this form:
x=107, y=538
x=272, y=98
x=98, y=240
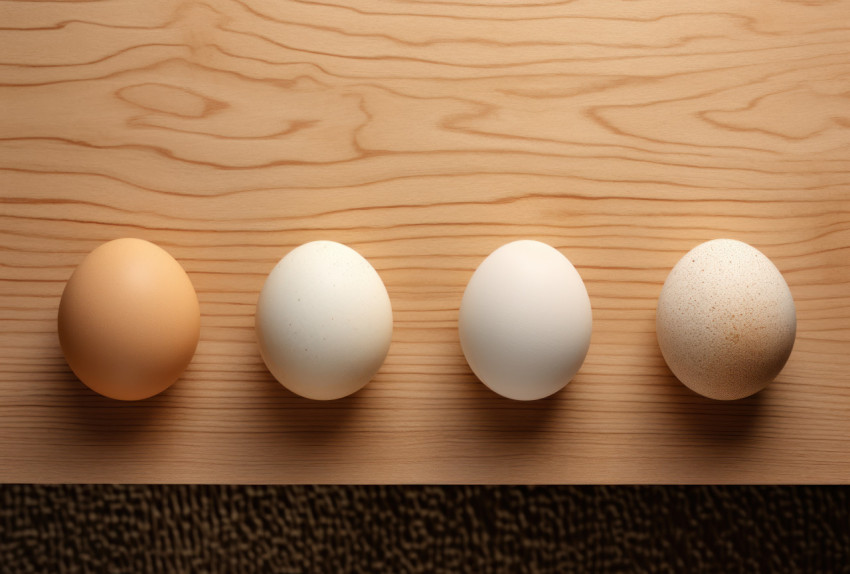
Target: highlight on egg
x=129, y=320
x=726, y=320
x=525, y=321
x=324, y=321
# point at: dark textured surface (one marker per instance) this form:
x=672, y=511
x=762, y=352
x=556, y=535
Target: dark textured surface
x=423, y=529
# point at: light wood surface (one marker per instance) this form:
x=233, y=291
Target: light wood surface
x=424, y=135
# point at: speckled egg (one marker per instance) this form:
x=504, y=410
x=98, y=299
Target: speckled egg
x=324, y=321
x=726, y=320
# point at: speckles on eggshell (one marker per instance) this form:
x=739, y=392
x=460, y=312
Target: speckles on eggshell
x=323, y=321
x=726, y=320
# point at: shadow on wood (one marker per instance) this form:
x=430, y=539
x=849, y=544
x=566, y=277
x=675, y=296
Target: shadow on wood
x=301, y=422
x=712, y=424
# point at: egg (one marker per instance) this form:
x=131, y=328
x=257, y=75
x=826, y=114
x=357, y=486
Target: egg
x=129, y=320
x=525, y=321
x=324, y=321
x=726, y=320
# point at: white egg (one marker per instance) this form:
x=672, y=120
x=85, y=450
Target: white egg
x=324, y=321
x=525, y=321
x=726, y=320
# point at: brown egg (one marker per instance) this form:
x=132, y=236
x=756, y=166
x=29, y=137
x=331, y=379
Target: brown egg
x=726, y=320
x=129, y=320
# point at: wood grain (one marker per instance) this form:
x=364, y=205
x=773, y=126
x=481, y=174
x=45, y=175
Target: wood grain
x=424, y=135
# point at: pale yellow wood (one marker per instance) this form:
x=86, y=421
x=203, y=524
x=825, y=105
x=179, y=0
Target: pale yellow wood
x=424, y=135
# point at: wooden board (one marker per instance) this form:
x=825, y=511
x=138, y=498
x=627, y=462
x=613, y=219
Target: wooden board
x=425, y=135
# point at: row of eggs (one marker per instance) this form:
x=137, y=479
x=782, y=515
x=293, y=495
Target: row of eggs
x=129, y=320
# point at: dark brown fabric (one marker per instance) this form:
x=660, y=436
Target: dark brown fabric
x=243, y=529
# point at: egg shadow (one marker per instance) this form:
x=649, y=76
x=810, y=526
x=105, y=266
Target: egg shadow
x=523, y=418
x=306, y=424
x=710, y=423
x=508, y=427
x=97, y=419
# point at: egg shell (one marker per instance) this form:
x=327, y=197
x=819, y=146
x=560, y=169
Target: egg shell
x=525, y=321
x=129, y=319
x=324, y=321
x=726, y=320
